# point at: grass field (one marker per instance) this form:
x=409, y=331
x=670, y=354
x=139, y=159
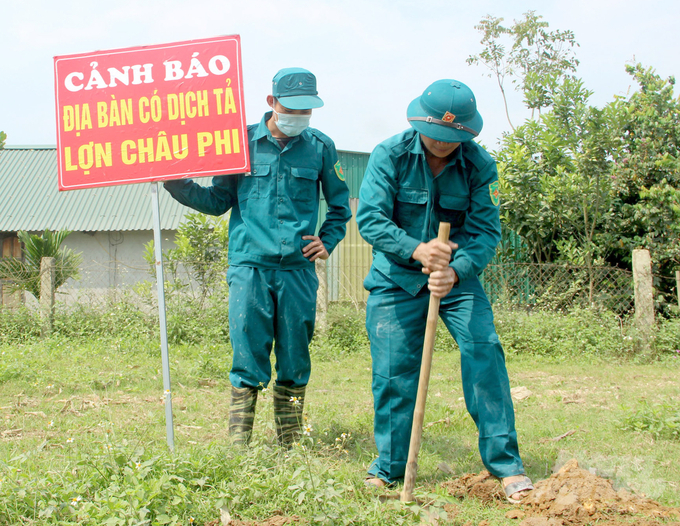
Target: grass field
x=82, y=439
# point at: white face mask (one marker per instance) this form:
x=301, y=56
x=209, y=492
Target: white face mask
x=292, y=125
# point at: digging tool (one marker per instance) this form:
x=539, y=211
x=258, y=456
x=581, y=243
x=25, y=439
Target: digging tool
x=424, y=380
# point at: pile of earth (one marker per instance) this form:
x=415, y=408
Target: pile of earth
x=276, y=520
x=570, y=497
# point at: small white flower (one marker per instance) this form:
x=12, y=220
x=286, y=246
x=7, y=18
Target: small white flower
x=50, y=423
x=76, y=500
x=50, y=386
x=308, y=430
x=69, y=441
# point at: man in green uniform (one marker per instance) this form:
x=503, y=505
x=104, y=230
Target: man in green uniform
x=430, y=173
x=272, y=249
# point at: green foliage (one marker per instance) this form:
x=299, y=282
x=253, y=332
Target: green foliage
x=84, y=440
x=346, y=331
x=25, y=275
x=3, y=138
x=18, y=325
x=584, y=185
x=582, y=332
x=646, y=174
x=201, y=244
x=538, y=60
x=196, y=292
x=554, y=180
x=122, y=315
x=667, y=337
x=662, y=420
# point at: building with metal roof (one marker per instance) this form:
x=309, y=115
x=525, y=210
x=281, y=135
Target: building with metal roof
x=111, y=225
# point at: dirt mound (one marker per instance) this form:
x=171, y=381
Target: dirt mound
x=570, y=497
x=276, y=520
x=482, y=486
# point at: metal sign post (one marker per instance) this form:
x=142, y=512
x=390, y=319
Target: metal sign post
x=160, y=280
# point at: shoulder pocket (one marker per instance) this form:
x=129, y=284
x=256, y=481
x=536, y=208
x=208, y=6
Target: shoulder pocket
x=412, y=195
x=303, y=184
x=252, y=186
x=260, y=170
x=452, y=209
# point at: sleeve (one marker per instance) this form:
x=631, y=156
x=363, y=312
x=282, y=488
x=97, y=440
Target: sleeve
x=336, y=193
x=376, y=208
x=213, y=200
x=483, y=225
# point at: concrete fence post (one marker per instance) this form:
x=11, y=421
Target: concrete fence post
x=644, y=296
x=48, y=274
x=321, y=296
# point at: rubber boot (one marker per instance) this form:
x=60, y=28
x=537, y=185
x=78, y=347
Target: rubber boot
x=288, y=405
x=242, y=414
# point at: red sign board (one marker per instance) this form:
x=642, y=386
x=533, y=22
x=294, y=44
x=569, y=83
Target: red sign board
x=151, y=113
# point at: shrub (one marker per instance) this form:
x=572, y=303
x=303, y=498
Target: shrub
x=18, y=325
x=662, y=420
x=589, y=332
x=667, y=338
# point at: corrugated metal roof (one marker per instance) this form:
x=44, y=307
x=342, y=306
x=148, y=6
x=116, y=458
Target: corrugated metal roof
x=30, y=199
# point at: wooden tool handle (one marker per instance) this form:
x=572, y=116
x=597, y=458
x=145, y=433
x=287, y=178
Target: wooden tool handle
x=423, y=382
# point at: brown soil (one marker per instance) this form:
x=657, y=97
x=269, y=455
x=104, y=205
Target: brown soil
x=570, y=497
x=273, y=521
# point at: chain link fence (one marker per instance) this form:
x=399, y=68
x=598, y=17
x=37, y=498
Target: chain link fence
x=525, y=285
x=560, y=287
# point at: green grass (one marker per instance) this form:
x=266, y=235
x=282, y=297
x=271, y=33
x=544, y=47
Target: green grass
x=82, y=438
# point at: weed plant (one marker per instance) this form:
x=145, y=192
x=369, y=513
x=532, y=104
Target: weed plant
x=82, y=439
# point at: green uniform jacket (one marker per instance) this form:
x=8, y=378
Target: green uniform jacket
x=401, y=205
x=277, y=203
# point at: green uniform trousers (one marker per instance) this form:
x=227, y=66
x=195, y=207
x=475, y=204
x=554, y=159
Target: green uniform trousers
x=266, y=306
x=395, y=321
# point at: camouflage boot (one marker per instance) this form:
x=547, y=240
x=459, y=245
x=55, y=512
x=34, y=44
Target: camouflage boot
x=288, y=405
x=242, y=414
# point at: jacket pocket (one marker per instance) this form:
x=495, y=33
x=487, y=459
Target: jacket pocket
x=410, y=209
x=256, y=184
x=303, y=184
x=452, y=209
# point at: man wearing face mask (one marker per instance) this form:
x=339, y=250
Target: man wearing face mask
x=272, y=249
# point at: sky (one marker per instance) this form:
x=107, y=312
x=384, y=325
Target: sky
x=371, y=57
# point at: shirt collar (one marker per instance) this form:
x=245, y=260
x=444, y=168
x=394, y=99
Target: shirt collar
x=263, y=130
x=416, y=148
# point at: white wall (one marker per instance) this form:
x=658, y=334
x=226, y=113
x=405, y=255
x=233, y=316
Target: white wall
x=111, y=260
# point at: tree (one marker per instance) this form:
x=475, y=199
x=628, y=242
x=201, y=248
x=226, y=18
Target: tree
x=646, y=174
x=25, y=275
x=554, y=179
x=538, y=60
x=201, y=246
x=3, y=138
